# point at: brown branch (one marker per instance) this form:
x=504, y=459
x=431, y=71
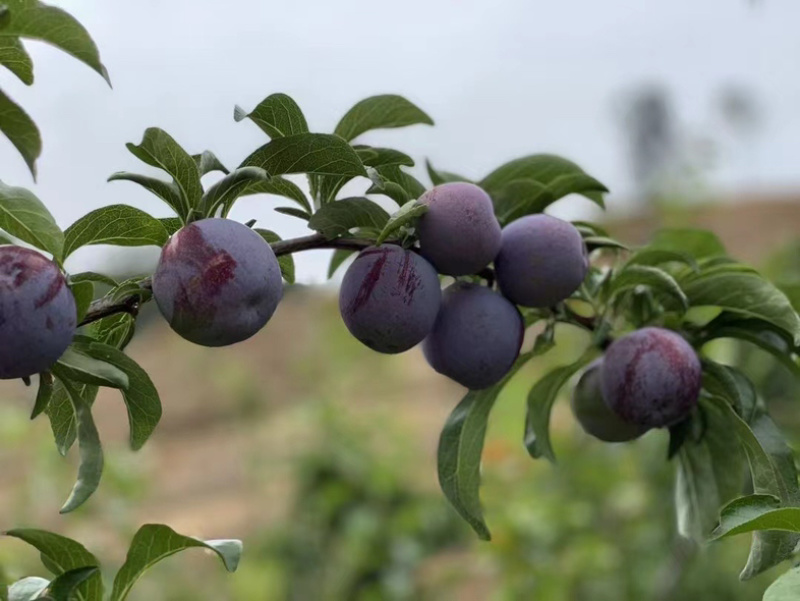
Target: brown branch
x=104, y=307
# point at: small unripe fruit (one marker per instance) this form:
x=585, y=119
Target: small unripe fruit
x=459, y=234
x=593, y=413
x=476, y=337
x=651, y=377
x=37, y=313
x=217, y=282
x=389, y=298
x=542, y=261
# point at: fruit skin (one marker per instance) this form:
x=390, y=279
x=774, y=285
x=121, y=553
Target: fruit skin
x=37, y=313
x=542, y=261
x=593, y=413
x=389, y=298
x=459, y=234
x=651, y=377
x=217, y=282
x=476, y=337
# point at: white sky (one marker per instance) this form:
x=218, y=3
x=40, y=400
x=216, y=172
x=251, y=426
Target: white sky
x=501, y=78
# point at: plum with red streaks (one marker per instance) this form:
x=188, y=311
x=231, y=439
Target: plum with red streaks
x=459, y=234
x=651, y=377
x=593, y=413
x=476, y=338
x=217, y=282
x=542, y=261
x=37, y=313
x=389, y=298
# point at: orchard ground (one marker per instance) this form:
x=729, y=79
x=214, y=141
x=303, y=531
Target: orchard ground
x=230, y=442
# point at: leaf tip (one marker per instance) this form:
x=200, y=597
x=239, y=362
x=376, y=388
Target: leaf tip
x=239, y=114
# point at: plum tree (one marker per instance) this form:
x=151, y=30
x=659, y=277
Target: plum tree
x=389, y=298
x=476, y=338
x=542, y=261
x=217, y=282
x=37, y=312
x=459, y=234
x=593, y=413
x=651, y=377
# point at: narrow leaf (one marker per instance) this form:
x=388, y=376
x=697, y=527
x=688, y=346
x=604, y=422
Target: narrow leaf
x=657, y=279
x=277, y=116
x=80, y=367
x=152, y=543
x=16, y=59
x=338, y=218
x=380, y=112
x=442, y=177
x=62, y=416
x=84, y=294
x=406, y=216
x=279, y=186
x=20, y=129
x=91, y=276
x=338, y=257
x=286, y=262
x=166, y=191
x=307, y=153
x=293, y=212
x=44, y=394
x=27, y=589
x=65, y=585
x=380, y=157
x=24, y=216
x=229, y=188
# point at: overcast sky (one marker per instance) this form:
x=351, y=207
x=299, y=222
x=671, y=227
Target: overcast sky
x=501, y=78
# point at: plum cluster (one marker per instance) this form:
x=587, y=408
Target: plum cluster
x=390, y=297
x=647, y=379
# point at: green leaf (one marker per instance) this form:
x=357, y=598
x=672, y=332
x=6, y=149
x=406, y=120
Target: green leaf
x=540, y=404
x=442, y=177
x=24, y=216
x=115, y=330
x=60, y=555
x=286, y=262
x=43, y=395
x=293, y=212
x=65, y=585
x=38, y=21
x=695, y=242
x=773, y=473
x=747, y=294
x=460, y=449
x=90, y=468
x=62, y=415
x=521, y=197
x=785, y=588
x=16, y=59
x=159, y=149
x=83, y=368
x=84, y=294
x=171, y=224
x=395, y=183
x=338, y=257
x=547, y=169
x=166, y=191
x=153, y=542
x=20, y=129
x=633, y=276
x=658, y=256
x=595, y=242
x=405, y=216
x=277, y=115
x=207, y=162
x=756, y=512
x=732, y=385
x=338, y=218
x=279, y=186
x=118, y=225
x=229, y=188
x=327, y=187
x=307, y=153
x=379, y=157
x=91, y=276
x=380, y=112
x=27, y=589
x=141, y=397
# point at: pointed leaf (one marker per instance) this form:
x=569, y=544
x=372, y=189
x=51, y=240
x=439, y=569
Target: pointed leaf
x=442, y=177
x=229, y=188
x=293, y=212
x=380, y=112
x=91, y=276
x=159, y=149
x=114, y=330
x=658, y=256
x=82, y=368
x=660, y=281
x=20, y=129
x=578, y=183
x=207, y=162
x=277, y=115
x=281, y=187
x=24, y=216
x=27, y=589
x=732, y=385
x=785, y=588
x=38, y=21
x=153, y=542
x=16, y=59
x=286, y=262
x=307, y=153
x=90, y=469
x=408, y=214
x=338, y=218
x=118, y=225
x=84, y=294
x=166, y=191
x=60, y=555
x=540, y=404
x=62, y=416
x=43, y=395
x=171, y=224
x=756, y=512
x=379, y=157
x=461, y=447
x=338, y=257
x=63, y=588
x=519, y=198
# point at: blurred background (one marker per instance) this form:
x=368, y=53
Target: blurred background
x=315, y=451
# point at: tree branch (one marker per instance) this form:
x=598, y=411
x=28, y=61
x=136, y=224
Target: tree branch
x=105, y=307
